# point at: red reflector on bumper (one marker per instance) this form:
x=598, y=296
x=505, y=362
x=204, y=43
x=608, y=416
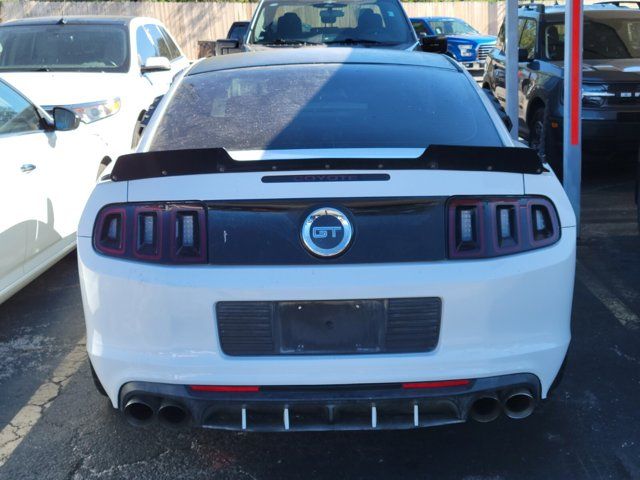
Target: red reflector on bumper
x=223, y=388
x=439, y=384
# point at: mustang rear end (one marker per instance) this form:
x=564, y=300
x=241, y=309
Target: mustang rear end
x=345, y=287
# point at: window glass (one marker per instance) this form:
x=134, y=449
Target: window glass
x=17, y=115
x=66, y=47
x=605, y=38
x=310, y=22
x=159, y=41
x=325, y=106
x=237, y=32
x=174, y=51
x=452, y=26
x=145, y=45
x=528, y=37
x=419, y=27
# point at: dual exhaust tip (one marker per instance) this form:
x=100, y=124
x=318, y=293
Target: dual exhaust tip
x=516, y=404
x=140, y=411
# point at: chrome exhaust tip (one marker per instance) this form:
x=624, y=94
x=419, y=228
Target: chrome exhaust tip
x=485, y=408
x=172, y=414
x=139, y=411
x=519, y=404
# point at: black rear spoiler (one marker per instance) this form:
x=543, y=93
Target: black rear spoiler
x=137, y=166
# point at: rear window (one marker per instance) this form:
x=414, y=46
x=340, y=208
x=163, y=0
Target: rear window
x=325, y=106
x=64, y=47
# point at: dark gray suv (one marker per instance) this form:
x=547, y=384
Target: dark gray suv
x=611, y=78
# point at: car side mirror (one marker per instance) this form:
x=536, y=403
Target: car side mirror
x=65, y=119
x=523, y=55
x=156, y=64
x=433, y=43
x=226, y=45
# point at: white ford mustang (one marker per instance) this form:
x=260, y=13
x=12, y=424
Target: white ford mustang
x=314, y=239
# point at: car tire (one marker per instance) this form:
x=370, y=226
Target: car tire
x=540, y=141
x=96, y=381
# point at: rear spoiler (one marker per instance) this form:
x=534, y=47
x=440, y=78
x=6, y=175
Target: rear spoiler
x=137, y=166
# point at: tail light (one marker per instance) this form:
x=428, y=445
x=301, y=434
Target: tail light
x=163, y=233
x=491, y=227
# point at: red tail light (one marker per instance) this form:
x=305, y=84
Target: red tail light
x=436, y=384
x=164, y=233
x=224, y=388
x=491, y=227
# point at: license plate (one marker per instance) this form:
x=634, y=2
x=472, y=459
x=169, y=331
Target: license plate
x=338, y=327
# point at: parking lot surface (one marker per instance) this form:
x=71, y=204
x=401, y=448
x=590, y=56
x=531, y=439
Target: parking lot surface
x=54, y=425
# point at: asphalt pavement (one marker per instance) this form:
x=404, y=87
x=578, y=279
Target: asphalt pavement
x=54, y=425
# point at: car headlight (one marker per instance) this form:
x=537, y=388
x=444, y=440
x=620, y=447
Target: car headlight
x=595, y=95
x=466, y=50
x=94, y=111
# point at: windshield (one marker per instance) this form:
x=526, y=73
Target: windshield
x=304, y=22
x=323, y=107
x=452, y=27
x=604, y=39
x=64, y=47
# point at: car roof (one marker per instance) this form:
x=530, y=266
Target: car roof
x=73, y=20
x=319, y=55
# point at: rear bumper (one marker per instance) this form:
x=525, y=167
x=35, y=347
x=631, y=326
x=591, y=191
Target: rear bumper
x=157, y=323
x=350, y=407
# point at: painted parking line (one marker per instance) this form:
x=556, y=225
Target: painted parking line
x=21, y=424
x=617, y=307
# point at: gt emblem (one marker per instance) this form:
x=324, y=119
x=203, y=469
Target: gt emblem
x=326, y=232
x=323, y=232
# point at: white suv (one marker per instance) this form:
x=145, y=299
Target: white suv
x=107, y=69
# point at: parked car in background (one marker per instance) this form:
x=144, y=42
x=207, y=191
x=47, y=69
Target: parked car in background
x=464, y=43
x=300, y=23
x=611, y=79
x=106, y=69
x=318, y=249
x=47, y=171
x=236, y=33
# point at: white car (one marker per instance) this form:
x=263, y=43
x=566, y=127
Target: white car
x=337, y=239
x=47, y=172
x=106, y=69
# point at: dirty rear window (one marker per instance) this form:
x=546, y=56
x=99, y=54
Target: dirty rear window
x=325, y=106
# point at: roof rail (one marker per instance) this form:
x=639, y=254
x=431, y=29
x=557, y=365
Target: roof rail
x=534, y=7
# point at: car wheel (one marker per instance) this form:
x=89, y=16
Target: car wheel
x=542, y=143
